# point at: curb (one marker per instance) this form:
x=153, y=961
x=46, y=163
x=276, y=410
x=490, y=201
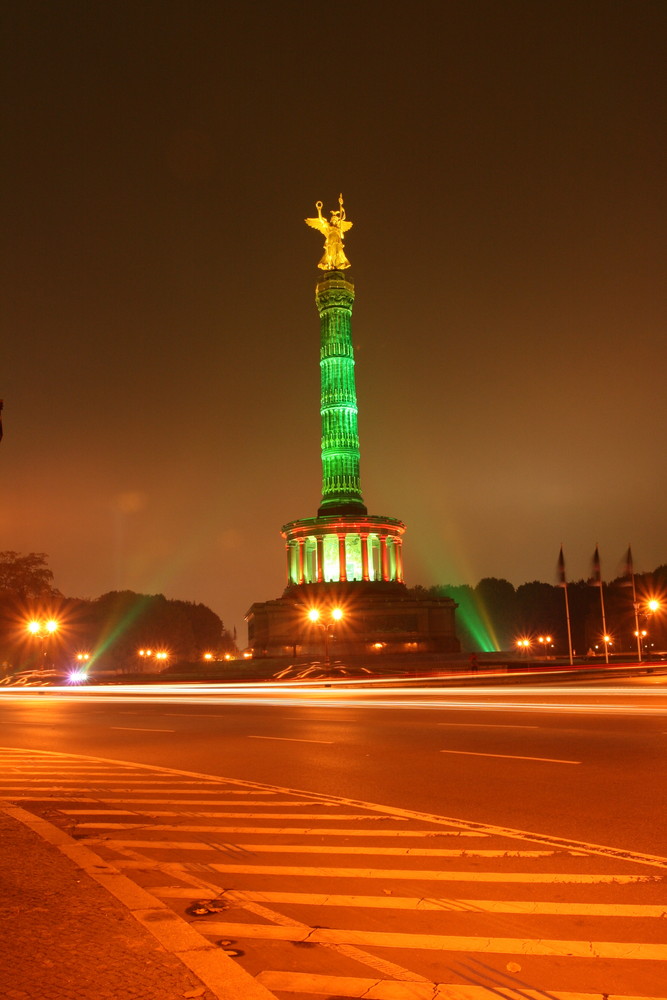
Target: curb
x=217, y=971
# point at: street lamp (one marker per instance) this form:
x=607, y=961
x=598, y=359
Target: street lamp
x=43, y=629
x=642, y=610
x=545, y=641
x=316, y=618
x=640, y=636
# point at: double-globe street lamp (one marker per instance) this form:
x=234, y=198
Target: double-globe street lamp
x=326, y=623
x=43, y=629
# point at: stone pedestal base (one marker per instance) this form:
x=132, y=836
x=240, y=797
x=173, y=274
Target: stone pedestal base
x=377, y=617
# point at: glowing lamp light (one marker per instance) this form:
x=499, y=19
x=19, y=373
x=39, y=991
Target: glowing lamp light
x=653, y=605
x=246, y=656
x=314, y=614
x=337, y=614
x=208, y=656
x=42, y=629
x=228, y=656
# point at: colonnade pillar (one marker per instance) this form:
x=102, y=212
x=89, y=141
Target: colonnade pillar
x=342, y=559
x=364, y=557
x=301, y=543
x=398, y=546
x=384, y=557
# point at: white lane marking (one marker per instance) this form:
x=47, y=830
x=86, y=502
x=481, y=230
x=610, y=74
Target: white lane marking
x=387, y=989
x=71, y=766
x=191, y=802
x=163, y=783
x=138, y=729
x=288, y=739
x=266, y=815
x=173, y=800
x=484, y=725
x=524, y=907
x=511, y=756
x=388, y=873
x=174, y=797
x=286, y=830
x=333, y=832
x=421, y=852
x=66, y=774
x=443, y=942
x=99, y=812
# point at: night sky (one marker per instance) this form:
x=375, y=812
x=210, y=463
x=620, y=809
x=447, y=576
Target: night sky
x=503, y=164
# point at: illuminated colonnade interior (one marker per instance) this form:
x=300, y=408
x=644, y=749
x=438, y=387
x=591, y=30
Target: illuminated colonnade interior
x=333, y=550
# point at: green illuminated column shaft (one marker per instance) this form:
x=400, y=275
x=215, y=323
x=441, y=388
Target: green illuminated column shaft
x=341, y=485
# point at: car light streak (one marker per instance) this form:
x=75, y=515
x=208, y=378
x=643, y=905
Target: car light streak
x=585, y=700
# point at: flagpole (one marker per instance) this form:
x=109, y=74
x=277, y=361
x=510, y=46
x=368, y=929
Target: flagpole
x=567, y=616
x=597, y=582
x=635, y=607
x=563, y=582
x=604, y=627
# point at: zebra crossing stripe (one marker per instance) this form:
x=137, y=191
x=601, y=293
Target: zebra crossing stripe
x=523, y=907
x=279, y=815
x=303, y=831
x=99, y=812
x=378, y=873
x=133, y=802
x=440, y=942
x=425, y=852
x=388, y=874
x=373, y=989
x=114, y=779
x=437, y=852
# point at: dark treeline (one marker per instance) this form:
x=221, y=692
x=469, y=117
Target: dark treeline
x=111, y=629
x=494, y=614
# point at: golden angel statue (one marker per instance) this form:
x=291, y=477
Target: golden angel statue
x=334, y=258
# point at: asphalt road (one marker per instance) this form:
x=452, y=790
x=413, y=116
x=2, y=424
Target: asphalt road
x=581, y=762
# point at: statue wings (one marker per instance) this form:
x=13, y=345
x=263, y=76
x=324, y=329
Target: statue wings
x=320, y=224
x=324, y=226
